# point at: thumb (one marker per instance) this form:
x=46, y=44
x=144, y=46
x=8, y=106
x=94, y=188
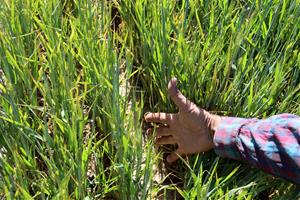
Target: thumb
x=177, y=97
x=173, y=156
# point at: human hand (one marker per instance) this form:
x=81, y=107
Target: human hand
x=192, y=128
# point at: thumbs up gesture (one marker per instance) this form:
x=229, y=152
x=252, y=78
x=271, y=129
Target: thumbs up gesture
x=192, y=128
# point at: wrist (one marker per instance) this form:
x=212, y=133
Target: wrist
x=215, y=122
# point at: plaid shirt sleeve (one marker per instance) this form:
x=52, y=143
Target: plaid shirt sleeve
x=271, y=144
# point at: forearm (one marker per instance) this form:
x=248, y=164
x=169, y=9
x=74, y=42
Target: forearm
x=272, y=144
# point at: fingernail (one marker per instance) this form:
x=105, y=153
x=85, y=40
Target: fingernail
x=169, y=160
x=146, y=114
x=149, y=130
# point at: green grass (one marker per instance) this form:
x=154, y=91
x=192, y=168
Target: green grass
x=62, y=107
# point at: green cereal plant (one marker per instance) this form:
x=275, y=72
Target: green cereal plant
x=237, y=58
x=76, y=77
x=61, y=108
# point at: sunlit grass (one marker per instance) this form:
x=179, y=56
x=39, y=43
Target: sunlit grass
x=237, y=58
x=65, y=65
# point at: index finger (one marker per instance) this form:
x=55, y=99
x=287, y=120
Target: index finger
x=164, y=118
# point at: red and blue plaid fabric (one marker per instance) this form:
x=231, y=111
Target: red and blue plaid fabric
x=271, y=144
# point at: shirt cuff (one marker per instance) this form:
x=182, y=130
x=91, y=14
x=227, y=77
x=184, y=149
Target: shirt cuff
x=225, y=138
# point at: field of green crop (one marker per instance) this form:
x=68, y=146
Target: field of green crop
x=76, y=77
